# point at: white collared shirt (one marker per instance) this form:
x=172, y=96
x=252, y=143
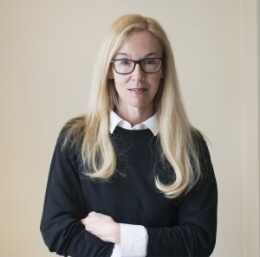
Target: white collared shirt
x=116, y=121
x=134, y=238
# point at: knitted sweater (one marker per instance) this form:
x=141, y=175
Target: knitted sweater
x=185, y=226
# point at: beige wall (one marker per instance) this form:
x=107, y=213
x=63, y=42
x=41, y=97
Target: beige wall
x=47, y=50
x=251, y=129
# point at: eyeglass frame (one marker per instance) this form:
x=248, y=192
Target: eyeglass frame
x=137, y=62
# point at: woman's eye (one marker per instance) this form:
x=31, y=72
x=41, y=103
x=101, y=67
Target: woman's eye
x=148, y=61
x=125, y=62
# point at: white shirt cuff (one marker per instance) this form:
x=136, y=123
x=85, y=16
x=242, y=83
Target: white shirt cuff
x=134, y=240
x=116, y=251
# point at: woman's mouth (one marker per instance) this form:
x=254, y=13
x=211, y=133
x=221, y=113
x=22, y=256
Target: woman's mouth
x=137, y=91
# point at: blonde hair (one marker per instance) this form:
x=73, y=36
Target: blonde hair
x=175, y=132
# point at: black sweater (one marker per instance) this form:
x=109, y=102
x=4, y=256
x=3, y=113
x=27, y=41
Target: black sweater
x=176, y=227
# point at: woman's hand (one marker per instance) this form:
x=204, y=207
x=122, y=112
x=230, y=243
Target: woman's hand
x=102, y=226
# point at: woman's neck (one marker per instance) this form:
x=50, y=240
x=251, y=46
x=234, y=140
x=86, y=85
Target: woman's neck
x=134, y=115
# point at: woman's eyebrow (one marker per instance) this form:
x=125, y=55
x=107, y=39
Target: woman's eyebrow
x=129, y=55
x=151, y=54
x=124, y=54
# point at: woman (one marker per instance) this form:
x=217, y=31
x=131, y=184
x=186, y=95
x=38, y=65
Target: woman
x=132, y=177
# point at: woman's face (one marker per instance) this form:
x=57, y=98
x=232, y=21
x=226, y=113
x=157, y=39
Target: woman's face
x=137, y=89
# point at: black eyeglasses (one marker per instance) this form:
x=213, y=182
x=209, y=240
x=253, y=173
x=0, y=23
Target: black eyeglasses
x=126, y=66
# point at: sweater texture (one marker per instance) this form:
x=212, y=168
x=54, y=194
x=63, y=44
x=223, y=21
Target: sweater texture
x=185, y=226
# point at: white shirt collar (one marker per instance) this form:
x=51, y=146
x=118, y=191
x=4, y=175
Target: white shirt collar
x=116, y=121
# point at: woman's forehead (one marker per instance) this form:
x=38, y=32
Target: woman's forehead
x=140, y=43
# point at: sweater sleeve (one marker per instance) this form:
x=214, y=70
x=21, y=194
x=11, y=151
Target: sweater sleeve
x=195, y=234
x=64, y=207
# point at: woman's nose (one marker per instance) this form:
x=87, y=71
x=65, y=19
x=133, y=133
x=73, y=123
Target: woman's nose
x=138, y=72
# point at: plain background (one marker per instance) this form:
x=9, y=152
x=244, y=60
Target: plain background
x=47, y=51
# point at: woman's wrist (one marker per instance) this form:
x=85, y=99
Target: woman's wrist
x=117, y=237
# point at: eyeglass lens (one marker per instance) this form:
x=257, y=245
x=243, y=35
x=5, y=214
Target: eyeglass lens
x=125, y=66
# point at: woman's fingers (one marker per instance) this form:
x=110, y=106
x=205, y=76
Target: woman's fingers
x=102, y=226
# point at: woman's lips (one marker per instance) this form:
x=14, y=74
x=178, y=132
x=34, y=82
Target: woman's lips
x=137, y=91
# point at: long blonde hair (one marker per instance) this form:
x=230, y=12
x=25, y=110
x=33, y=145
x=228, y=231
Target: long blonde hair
x=175, y=131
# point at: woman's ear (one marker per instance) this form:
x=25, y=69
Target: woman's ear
x=110, y=74
x=162, y=76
